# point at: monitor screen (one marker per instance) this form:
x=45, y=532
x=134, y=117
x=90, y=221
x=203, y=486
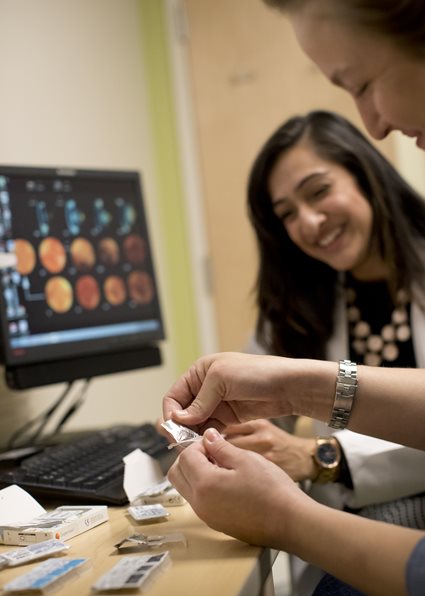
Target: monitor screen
x=82, y=284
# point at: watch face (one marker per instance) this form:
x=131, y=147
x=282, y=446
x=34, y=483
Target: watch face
x=327, y=454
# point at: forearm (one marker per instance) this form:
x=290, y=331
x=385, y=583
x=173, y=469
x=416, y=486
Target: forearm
x=389, y=403
x=366, y=554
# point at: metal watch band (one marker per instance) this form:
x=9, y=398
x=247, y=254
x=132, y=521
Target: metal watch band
x=346, y=386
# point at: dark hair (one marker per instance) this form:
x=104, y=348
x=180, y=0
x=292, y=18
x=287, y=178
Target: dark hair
x=402, y=21
x=296, y=294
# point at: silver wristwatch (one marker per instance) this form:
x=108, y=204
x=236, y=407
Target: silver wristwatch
x=346, y=386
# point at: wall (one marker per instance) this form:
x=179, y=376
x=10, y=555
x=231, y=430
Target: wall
x=74, y=93
x=410, y=161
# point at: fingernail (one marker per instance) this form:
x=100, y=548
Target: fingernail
x=211, y=434
x=181, y=413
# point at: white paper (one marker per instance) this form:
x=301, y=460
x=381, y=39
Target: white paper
x=8, y=259
x=17, y=505
x=141, y=471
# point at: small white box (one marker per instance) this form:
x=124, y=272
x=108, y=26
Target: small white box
x=62, y=523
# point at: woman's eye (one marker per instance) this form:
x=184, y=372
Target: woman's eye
x=361, y=90
x=320, y=192
x=285, y=215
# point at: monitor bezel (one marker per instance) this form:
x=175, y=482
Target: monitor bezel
x=119, y=353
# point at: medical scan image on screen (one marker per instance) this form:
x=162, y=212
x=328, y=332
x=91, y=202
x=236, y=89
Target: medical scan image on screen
x=83, y=281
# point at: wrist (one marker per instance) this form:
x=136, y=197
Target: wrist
x=298, y=524
x=345, y=393
x=310, y=387
x=308, y=469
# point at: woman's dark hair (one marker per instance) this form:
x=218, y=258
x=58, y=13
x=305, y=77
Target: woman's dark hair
x=296, y=294
x=402, y=21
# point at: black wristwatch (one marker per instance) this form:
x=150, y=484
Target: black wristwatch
x=327, y=459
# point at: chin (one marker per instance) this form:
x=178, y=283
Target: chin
x=340, y=267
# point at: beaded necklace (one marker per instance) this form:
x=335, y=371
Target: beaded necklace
x=373, y=347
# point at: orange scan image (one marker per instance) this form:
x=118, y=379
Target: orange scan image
x=25, y=255
x=59, y=295
x=52, y=254
x=82, y=254
x=87, y=292
x=109, y=252
x=140, y=287
x=114, y=290
x=135, y=249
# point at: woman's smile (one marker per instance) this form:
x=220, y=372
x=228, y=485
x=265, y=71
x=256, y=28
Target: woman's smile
x=330, y=238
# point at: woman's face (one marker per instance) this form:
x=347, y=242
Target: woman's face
x=323, y=211
x=387, y=85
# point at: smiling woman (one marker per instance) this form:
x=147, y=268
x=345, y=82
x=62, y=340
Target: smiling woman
x=324, y=212
x=324, y=202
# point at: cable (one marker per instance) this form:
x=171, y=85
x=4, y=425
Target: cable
x=39, y=422
x=74, y=407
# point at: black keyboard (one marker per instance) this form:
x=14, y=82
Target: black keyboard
x=88, y=469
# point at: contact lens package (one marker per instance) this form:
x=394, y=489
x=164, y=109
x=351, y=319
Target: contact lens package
x=45, y=576
x=28, y=554
x=145, y=484
x=133, y=572
x=145, y=541
x=182, y=435
x=162, y=493
x=148, y=513
x=61, y=523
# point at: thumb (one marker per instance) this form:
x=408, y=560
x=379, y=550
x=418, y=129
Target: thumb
x=223, y=453
x=199, y=410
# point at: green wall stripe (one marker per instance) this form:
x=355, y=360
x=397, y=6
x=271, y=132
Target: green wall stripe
x=181, y=320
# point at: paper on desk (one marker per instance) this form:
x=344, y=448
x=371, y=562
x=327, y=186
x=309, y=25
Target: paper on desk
x=141, y=471
x=16, y=504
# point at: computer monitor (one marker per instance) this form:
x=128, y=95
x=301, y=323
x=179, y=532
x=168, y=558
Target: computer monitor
x=78, y=292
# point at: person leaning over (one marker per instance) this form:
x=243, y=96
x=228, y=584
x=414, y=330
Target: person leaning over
x=341, y=250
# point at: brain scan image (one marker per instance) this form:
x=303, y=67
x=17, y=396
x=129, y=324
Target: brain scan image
x=58, y=292
x=25, y=255
x=102, y=217
x=87, y=292
x=82, y=254
x=108, y=251
x=42, y=217
x=114, y=290
x=140, y=287
x=134, y=249
x=52, y=254
x=127, y=215
x=73, y=216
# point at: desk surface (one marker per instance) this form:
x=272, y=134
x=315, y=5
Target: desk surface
x=212, y=564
